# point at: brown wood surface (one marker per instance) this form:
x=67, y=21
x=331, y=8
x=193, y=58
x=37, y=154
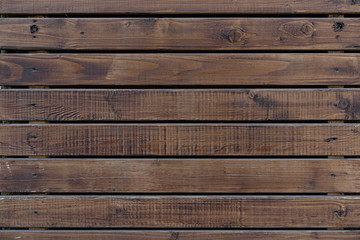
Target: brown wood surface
x=180, y=139
x=180, y=33
x=178, y=235
x=180, y=211
x=180, y=175
x=173, y=6
x=180, y=104
x=179, y=69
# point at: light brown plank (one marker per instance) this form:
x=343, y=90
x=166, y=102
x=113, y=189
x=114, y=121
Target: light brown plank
x=180, y=33
x=179, y=235
x=180, y=175
x=187, y=105
x=180, y=140
x=173, y=6
x=180, y=211
x=179, y=69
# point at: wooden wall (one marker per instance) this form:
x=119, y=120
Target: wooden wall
x=168, y=119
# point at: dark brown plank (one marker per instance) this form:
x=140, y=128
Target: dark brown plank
x=180, y=33
x=192, y=105
x=180, y=175
x=180, y=211
x=179, y=69
x=172, y=6
x=180, y=139
x=179, y=235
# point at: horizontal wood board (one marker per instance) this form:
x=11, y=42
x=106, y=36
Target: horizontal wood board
x=180, y=34
x=180, y=105
x=180, y=211
x=176, y=7
x=181, y=69
x=158, y=175
x=180, y=235
x=180, y=139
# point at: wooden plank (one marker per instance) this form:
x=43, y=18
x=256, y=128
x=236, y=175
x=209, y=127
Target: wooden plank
x=176, y=234
x=180, y=211
x=180, y=140
x=180, y=175
x=172, y=6
x=179, y=69
x=180, y=104
x=180, y=34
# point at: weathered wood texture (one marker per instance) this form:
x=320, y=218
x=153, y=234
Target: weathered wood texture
x=179, y=235
x=179, y=69
x=180, y=211
x=173, y=6
x=192, y=105
x=132, y=44
x=180, y=175
x=180, y=139
x=180, y=33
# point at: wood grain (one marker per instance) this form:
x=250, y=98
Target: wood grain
x=180, y=34
x=172, y=6
x=180, y=175
x=180, y=140
x=180, y=105
x=179, y=69
x=179, y=235
x=180, y=211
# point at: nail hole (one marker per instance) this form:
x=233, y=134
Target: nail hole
x=82, y=33
x=336, y=70
x=34, y=29
x=36, y=213
x=33, y=138
x=333, y=175
x=32, y=105
x=338, y=26
x=338, y=37
x=34, y=37
x=34, y=70
x=34, y=175
x=35, y=21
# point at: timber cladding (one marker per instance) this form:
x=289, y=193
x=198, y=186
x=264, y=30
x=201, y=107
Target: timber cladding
x=164, y=119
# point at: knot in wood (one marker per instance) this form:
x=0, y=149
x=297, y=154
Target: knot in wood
x=343, y=103
x=34, y=29
x=252, y=95
x=298, y=29
x=338, y=26
x=307, y=29
x=235, y=35
x=341, y=212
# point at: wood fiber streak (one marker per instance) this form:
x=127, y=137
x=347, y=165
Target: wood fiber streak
x=173, y=6
x=179, y=69
x=179, y=235
x=180, y=34
x=180, y=175
x=180, y=211
x=180, y=140
x=187, y=105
